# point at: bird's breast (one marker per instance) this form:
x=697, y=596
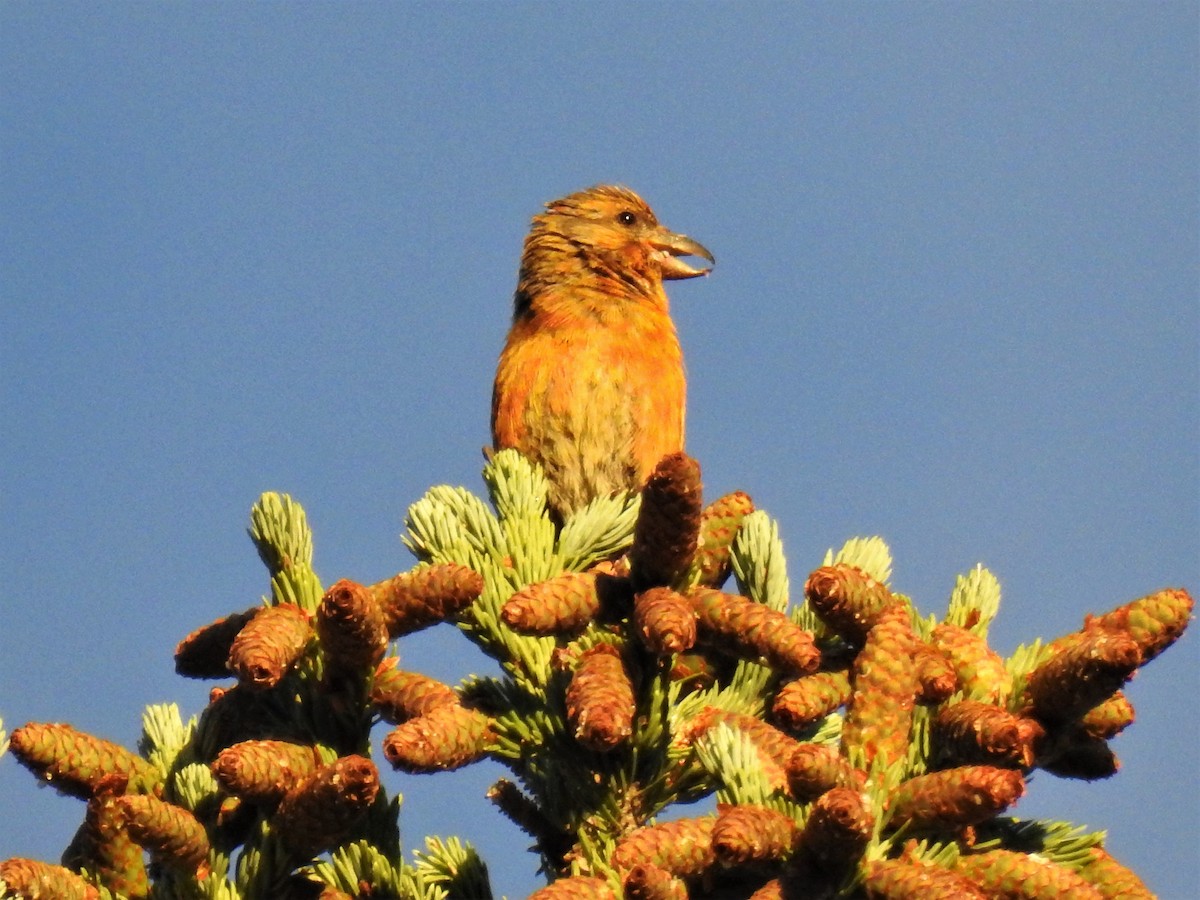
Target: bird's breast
x=596, y=404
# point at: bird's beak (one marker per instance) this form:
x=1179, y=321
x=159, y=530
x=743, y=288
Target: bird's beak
x=669, y=247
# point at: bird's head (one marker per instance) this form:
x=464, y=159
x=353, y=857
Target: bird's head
x=607, y=233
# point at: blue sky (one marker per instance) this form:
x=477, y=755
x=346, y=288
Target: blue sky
x=272, y=247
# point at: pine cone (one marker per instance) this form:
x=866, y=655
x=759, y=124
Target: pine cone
x=902, y=879
x=1113, y=880
x=235, y=714
x=884, y=682
x=205, y=652
x=561, y=605
x=665, y=621
x=103, y=846
x=1086, y=669
x=847, y=599
x=263, y=771
x=750, y=630
x=980, y=670
x=351, y=626
x=814, y=769
x=77, y=763
x=1008, y=875
x=667, y=532
x=838, y=828
x=1070, y=752
x=774, y=747
x=425, y=596
x=935, y=675
x=952, y=798
x=399, y=695
x=746, y=833
x=648, y=882
x=171, y=835
x=682, y=847
x=319, y=813
x=29, y=879
x=1108, y=718
x=719, y=524
x=269, y=646
x=805, y=700
x=447, y=737
x=575, y=887
x=1154, y=621
x=600, y=699
x=974, y=732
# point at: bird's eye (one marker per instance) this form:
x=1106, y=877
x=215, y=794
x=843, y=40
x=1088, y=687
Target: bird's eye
x=625, y=217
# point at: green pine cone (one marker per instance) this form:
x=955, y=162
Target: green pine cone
x=1008, y=875
x=1113, y=880
x=719, y=524
x=1108, y=718
x=102, y=846
x=76, y=763
x=980, y=670
x=884, y=682
x=899, y=879
x=1154, y=622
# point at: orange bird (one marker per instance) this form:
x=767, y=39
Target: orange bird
x=590, y=383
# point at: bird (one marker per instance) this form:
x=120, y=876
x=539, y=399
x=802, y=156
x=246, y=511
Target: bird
x=590, y=384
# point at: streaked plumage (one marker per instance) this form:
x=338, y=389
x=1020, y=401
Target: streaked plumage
x=591, y=380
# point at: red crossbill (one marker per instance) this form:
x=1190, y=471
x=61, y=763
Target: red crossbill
x=590, y=383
